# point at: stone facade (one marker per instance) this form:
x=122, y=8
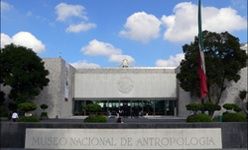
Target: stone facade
x=58, y=95
x=156, y=83
x=68, y=84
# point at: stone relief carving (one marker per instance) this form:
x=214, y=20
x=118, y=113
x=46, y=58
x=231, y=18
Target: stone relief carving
x=125, y=85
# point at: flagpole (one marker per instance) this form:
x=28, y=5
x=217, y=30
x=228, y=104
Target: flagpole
x=201, y=66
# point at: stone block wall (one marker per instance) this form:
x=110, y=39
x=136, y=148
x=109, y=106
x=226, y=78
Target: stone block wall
x=58, y=94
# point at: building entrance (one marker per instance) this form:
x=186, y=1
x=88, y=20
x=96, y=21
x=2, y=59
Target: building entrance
x=128, y=108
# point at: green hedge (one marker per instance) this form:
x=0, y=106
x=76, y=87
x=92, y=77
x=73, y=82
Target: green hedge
x=96, y=118
x=210, y=107
x=43, y=115
x=234, y=117
x=28, y=119
x=92, y=108
x=194, y=107
x=199, y=118
x=231, y=106
x=27, y=106
x=3, y=111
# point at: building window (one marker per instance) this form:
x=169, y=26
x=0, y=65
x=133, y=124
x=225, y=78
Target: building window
x=128, y=108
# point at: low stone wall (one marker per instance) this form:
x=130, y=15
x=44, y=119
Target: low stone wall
x=234, y=135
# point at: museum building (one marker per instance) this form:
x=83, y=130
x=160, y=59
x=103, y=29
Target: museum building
x=135, y=91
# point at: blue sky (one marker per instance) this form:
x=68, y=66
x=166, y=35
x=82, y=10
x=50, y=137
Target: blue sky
x=100, y=33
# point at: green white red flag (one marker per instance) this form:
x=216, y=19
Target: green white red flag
x=201, y=64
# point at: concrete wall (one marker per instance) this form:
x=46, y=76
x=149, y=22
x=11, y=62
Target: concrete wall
x=55, y=95
x=230, y=95
x=125, y=83
x=184, y=98
x=67, y=83
x=234, y=135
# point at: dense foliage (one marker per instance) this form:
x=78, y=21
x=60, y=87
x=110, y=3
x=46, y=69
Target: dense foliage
x=23, y=71
x=27, y=106
x=43, y=106
x=2, y=97
x=208, y=106
x=223, y=58
x=28, y=119
x=43, y=114
x=199, y=118
x=93, y=108
x=231, y=106
x=234, y=117
x=3, y=111
x=195, y=107
x=242, y=94
x=211, y=108
x=96, y=118
x=244, y=100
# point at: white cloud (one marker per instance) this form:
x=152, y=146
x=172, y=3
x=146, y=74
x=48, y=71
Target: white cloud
x=172, y=61
x=142, y=27
x=119, y=58
x=182, y=25
x=5, y=40
x=81, y=27
x=96, y=47
x=23, y=39
x=5, y=6
x=65, y=11
x=84, y=64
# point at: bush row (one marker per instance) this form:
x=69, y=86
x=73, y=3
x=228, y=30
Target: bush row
x=233, y=112
x=96, y=118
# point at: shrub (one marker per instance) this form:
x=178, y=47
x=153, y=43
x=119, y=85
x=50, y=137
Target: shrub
x=199, y=118
x=43, y=115
x=3, y=111
x=194, y=107
x=242, y=94
x=43, y=106
x=230, y=106
x=28, y=119
x=92, y=108
x=211, y=108
x=96, y=118
x=237, y=109
x=12, y=106
x=27, y=106
x=217, y=119
x=234, y=117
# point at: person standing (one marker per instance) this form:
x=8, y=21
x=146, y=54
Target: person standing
x=14, y=116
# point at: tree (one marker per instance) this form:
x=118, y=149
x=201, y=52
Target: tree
x=27, y=106
x=43, y=114
x=2, y=98
x=93, y=108
x=244, y=101
x=23, y=71
x=223, y=59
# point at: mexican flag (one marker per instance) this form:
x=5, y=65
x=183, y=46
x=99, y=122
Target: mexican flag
x=201, y=62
